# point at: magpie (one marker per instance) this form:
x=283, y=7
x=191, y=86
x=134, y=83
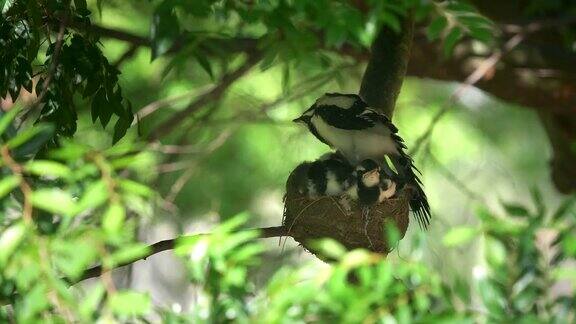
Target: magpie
x=368, y=182
x=346, y=122
x=387, y=189
x=328, y=176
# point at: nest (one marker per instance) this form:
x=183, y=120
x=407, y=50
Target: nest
x=307, y=219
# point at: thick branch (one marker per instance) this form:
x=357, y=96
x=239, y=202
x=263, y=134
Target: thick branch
x=165, y=245
x=386, y=68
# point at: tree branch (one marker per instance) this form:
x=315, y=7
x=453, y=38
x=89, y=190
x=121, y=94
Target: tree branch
x=170, y=244
x=161, y=246
x=386, y=68
x=169, y=125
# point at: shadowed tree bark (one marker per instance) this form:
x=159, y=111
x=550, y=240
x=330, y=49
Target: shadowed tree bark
x=386, y=67
x=540, y=74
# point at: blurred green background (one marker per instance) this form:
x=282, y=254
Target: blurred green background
x=485, y=161
x=481, y=152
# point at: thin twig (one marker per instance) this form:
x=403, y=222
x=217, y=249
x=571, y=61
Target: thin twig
x=131, y=51
x=451, y=177
x=184, y=177
x=155, y=105
x=483, y=68
x=216, y=93
x=53, y=63
x=539, y=25
x=170, y=244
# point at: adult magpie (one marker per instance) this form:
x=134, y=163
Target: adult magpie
x=346, y=123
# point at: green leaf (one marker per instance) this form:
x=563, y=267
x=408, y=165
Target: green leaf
x=164, y=29
x=9, y=240
x=538, y=201
x=113, y=219
x=357, y=258
x=31, y=140
x=99, y=103
x=88, y=304
x=7, y=118
x=73, y=256
x=451, y=39
x=69, y=151
x=569, y=245
x=459, y=236
x=515, y=210
x=232, y=224
x=392, y=234
x=205, y=64
x=129, y=303
x=185, y=244
x=121, y=128
x=269, y=58
x=391, y=20
x=436, y=27
x=135, y=188
x=54, y=200
x=564, y=208
x=460, y=7
x=8, y=184
x=329, y=248
x=482, y=34
x=248, y=253
x=80, y=5
x=495, y=252
x=35, y=301
x=565, y=273
x=95, y=195
x=47, y=168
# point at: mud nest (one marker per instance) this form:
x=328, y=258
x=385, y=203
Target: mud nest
x=307, y=219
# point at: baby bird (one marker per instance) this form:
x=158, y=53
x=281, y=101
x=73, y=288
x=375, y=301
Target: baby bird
x=368, y=182
x=387, y=189
x=372, y=185
x=328, y=176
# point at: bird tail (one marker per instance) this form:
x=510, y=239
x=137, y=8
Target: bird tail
x=418, y=202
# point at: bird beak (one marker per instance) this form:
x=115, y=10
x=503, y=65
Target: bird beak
x=372, y=173
x=299, y=119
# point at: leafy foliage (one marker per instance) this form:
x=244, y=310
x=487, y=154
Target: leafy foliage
x=67, y=206
x=74, y=65
x=84, y=213
x=75, y=69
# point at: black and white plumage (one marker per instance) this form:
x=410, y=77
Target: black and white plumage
x=368, y=182
x=387, y=189
x=328, y=176
x=345, y=122
x=372, y=186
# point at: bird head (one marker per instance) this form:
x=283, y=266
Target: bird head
x=340, y=100
x=369, y=173
x=306, y=116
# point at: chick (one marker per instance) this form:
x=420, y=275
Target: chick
x=328, y=176
x=368, y=189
